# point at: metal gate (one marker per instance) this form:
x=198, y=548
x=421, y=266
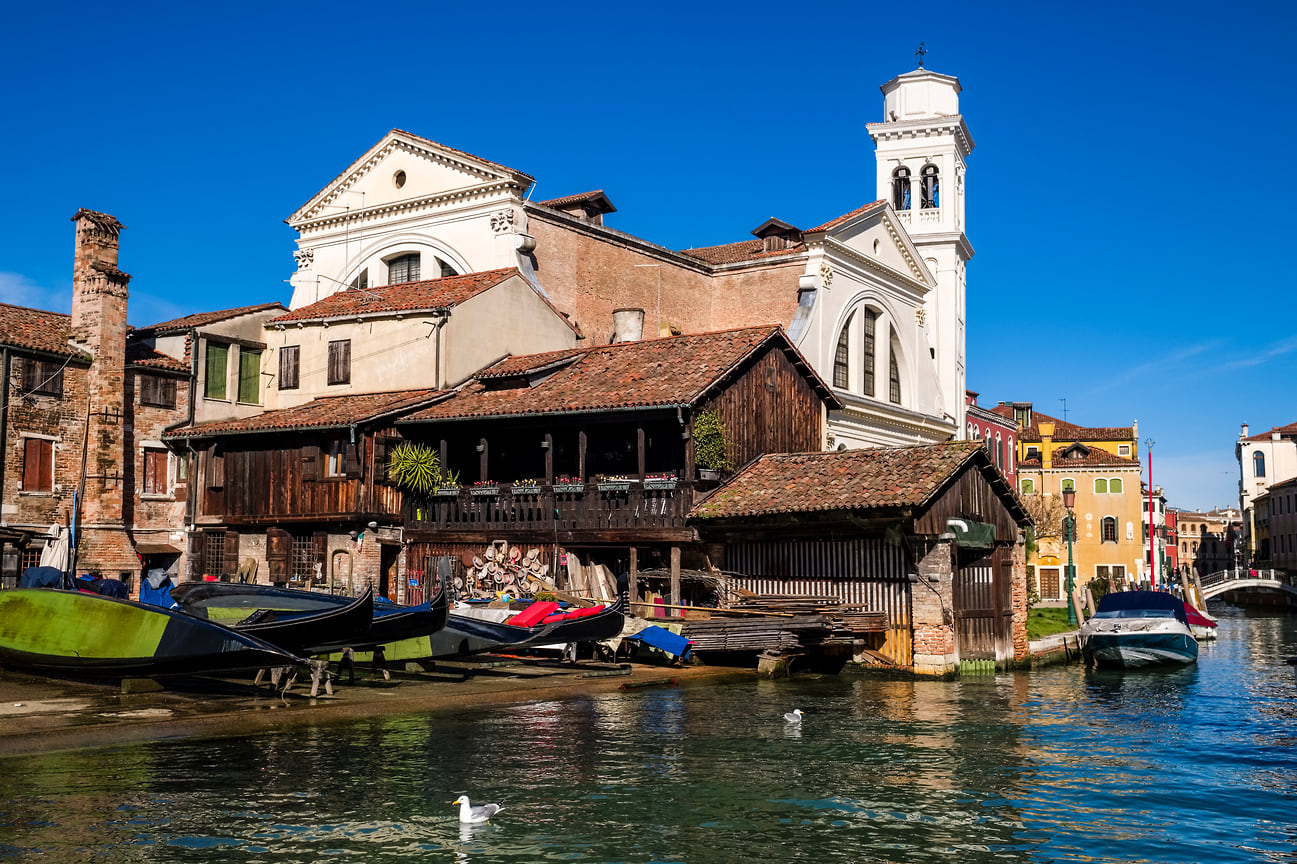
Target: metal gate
x=984, y=605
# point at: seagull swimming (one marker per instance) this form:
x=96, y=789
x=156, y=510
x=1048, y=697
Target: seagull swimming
x=469, y=813
x=794, y=716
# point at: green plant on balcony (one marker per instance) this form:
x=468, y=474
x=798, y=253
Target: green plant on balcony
x=711, y=443
x=415, y=467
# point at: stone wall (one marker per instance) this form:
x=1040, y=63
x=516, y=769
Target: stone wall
x=932, y=615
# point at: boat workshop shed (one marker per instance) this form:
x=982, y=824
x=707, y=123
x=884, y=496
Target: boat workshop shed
x=931, y=535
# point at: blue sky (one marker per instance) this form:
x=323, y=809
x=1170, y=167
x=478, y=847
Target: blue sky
x=1131, y=177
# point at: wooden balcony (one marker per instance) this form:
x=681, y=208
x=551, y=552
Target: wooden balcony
x=610, y=511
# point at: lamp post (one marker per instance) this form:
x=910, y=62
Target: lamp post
x=1069, y=499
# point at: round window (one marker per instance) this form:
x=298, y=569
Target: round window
x=398, y=179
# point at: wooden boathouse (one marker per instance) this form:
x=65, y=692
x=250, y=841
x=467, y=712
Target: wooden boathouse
x=593, y=451
x=929, y=534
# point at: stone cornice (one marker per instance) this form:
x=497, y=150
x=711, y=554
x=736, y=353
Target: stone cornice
x=840, y=251
x=410, y=206
x=899, y=130
x=857, y=407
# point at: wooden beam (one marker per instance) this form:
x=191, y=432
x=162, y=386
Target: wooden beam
x=640, y=442
x=580, y=454
x=549, y=457
x=675, y=574
x=634, y=574
x=484, y=449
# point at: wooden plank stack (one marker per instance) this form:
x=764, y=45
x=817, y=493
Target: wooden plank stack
x=779, y=635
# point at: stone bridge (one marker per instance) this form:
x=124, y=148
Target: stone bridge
x=1216, y=584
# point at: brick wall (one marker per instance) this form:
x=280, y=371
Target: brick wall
x=60, y=418
x=933, y=602
x=1021, y=649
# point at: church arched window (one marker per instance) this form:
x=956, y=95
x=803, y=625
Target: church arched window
x=894, y=377
x=901, y=188
x=867, y=348
x=842, y=356
x=931, y=188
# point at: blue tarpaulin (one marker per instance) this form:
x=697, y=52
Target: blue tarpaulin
x=663, y=640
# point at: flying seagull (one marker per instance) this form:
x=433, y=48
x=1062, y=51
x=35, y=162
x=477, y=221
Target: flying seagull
x=794, y=716
x=480, y=813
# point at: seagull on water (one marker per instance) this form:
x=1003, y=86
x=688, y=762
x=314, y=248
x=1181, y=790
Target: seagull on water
x=470, y=813
x=794, y=716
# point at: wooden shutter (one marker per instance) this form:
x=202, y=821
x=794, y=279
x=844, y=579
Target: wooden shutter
x=38, y=465
x=310, y=463
x=289, y=363
x=279, y=551
x=353, y=461
x=218, y=355
x=322, y=555
x=194, y=564
x=231, y=552
x=157, y=391
x=340, y=362
x=215, y=467
x=381, y=446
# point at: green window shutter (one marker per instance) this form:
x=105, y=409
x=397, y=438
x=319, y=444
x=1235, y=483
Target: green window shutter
x=218, y=356
x=249, y=376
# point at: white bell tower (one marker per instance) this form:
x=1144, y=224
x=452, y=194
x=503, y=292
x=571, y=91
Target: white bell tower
x=921, y=148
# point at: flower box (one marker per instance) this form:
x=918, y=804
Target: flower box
x=660, y=483
x=525, y=489
x=486, y=489
x=614, y=485
x=447, y=491
x=569, y=487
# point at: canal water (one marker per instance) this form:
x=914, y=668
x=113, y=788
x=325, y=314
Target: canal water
x=1192, y=765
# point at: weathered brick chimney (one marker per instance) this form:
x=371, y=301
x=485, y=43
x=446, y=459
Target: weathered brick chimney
x=99, y=294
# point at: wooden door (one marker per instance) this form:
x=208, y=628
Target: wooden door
x=983, y=605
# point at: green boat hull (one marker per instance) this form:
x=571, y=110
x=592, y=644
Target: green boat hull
x=72, y=633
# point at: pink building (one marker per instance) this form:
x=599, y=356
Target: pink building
x=998, y=434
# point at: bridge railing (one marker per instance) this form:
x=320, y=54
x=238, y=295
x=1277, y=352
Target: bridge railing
x=1244, y=573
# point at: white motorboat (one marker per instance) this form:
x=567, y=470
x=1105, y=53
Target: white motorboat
x=1133, y=629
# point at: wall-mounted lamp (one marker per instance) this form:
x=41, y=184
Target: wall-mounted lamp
x=481, y=447
x=544, y=445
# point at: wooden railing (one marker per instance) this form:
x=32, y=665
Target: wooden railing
x=565, y=507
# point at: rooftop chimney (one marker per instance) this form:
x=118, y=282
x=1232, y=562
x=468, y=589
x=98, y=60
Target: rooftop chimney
x=1046, y=446
x=628, y=325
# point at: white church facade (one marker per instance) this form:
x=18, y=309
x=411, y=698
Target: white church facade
x=873, y=299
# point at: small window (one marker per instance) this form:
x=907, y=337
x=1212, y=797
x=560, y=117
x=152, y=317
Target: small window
x=1258, y=464
x=42, y=376
x=1109, y=529
x=1123, y=450
x=842, y=356
x=340, y=362
x=289, y=364
x=1033, y=452
x=155, y=472
x=894, y=378
x=157, y=391
x=1068, y=485
x=335, y=463
x=446, y=269
x=38, y=465
x=218, y=357
x=1028, y=486
x=1100, y=486
x=361, y=282
x=403, y=269
x=931, y=188
x=901, y=189
x=249, y=376
x=1118, y=574
x=1114, y=485
x=214, y=552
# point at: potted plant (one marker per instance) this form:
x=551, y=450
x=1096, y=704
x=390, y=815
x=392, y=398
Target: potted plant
x=485, y=487
x=612, y=482
x=564, y=483
x=448, y=487
x=662, y=480
x=414, y=467
x=525, y=487
x=711, y=446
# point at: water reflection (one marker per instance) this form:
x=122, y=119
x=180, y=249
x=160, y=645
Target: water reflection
x=1057, y=765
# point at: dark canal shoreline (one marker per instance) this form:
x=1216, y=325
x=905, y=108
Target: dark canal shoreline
x=43, y=715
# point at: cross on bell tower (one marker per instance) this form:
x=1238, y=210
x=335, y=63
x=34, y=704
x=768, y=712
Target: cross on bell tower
x=920, y=54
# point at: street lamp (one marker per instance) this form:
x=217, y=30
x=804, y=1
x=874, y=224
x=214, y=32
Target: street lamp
x=1069, y=499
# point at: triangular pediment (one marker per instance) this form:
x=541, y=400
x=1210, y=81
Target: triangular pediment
x=874, y=232
x=403, y=168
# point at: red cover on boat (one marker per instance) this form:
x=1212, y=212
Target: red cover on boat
x=532, y=615
x=1196, y=618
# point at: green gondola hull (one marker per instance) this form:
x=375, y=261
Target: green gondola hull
x=72, y=633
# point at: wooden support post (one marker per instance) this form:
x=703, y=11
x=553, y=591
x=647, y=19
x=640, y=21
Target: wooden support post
x=640, y=447
x=675, y=575
x=634, y=575
x=580, y=455
x=443, y=452
x=485, y=465
x=549, y=457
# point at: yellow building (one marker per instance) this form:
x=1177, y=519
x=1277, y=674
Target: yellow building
x=1102, y=465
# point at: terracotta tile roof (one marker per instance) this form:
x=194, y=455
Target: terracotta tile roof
x=881, y=477
x=1064, y=431
x=846, y=217
x=744, y=250
x=678, y=370
x=201, y=319
x=36, y=329
x=138, y=354
x=323, y=413
x=1095, y=458
x=406, y=297
x=1289, y=431
x=569, y=200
